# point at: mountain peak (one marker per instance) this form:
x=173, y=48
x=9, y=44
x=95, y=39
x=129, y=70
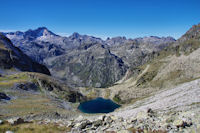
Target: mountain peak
x=192, y=33
x=42, y=28
x=75, y=35
x=39, y=32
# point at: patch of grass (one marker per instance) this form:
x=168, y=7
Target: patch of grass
x=149, y=75
x=10, y=80
x=92, y=94
x=172, y=76
x=2, y=46
x=29, y=104
x=33, y=128
x=118, y=100
x=107, y=93
x=189, y=46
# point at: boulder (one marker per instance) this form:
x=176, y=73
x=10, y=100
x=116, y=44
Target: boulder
x=108, y=119
x=4, y=96
x=97, y=123
x=16, y=121
x=1, y=122
x=9, y=132
x=180, y=123
x=113, y=117
x=85, y=124
x=150, y=112
x=124, y=131
x=102, y=117
x=141, y=115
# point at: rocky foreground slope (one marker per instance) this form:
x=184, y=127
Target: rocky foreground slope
x=171, y=110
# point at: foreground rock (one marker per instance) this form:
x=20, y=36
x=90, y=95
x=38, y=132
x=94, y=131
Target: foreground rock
x=16, y=121
x=1, y=122
x=145, y=122
x=3, y=96
x=9, y=132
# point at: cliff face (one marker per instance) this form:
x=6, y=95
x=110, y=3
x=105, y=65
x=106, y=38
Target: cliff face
x=91, y=66
x=13, y=58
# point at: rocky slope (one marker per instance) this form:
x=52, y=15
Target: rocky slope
x=12, y=57
x=135, y=52
x=36, y=95
x=102, y=62
x=176, y=64
x=170, y=110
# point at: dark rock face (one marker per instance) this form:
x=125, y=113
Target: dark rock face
x=3, y=96
x=27, y=86
x=83, y=60
x=94, y=66
x=13, y=57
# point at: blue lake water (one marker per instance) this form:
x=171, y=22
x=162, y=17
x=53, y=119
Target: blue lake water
x=98, y=105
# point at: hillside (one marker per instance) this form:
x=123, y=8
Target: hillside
x=36, y=96
x=26, y=86
x=176, y=64
x=13, y=58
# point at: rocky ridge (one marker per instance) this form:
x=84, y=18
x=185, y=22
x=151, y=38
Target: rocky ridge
x=76, y=52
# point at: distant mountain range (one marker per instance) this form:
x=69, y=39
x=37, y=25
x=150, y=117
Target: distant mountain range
x=83, y=60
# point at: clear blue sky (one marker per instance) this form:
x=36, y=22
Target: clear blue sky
x=102, y=18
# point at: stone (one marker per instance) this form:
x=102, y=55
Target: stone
x=142, y=115
x=4, y=96
x=102, y=117
x=180, y=123
x=169, y=120
x=113, y=117
x=132, y=120
x=9, y=132
x=97, y=123
x=124, y=131
x=1, y=122
x=16, y=121
x=77, y=124
x=108, y=119
x=85, y=124
x=150, y=110
x=80, y=118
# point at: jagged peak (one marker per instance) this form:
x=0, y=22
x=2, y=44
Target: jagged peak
x=192, y=33
x=40, y=31
x=75, y=35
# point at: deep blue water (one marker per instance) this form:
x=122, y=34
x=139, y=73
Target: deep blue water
x=98, y=105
